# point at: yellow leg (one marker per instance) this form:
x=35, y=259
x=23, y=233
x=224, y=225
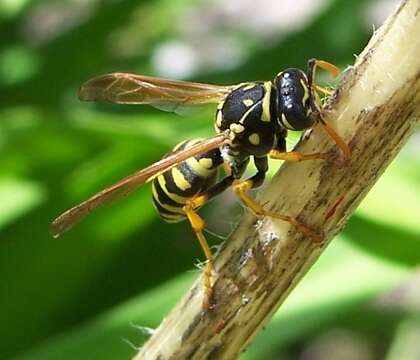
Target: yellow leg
x=241, y=188
x=298, y=156
x=197, y=223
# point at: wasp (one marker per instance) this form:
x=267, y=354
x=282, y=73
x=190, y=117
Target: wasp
x=251, y=122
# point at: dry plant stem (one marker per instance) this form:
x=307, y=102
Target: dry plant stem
x=375, y=109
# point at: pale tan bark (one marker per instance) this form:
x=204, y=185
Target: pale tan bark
x=375, y=108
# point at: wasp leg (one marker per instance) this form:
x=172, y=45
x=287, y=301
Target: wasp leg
x=298, y=156
x=198, y=224
x=280, y=153
x=241, y=188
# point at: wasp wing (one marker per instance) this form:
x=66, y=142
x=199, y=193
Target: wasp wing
x=77, y=213
x=125, y=88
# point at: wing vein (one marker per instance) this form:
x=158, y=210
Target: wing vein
x=132, y=182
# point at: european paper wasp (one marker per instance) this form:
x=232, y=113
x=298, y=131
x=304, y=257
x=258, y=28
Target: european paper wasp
x=252, y=121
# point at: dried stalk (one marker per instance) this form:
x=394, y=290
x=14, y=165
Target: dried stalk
x=375, y=109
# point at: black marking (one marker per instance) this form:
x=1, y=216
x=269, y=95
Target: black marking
x=234, y=108
x=163, y=212
x=198, y=183
x=163, y=198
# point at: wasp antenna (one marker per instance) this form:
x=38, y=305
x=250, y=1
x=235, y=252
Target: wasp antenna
x=337, y=138
x=327, y=66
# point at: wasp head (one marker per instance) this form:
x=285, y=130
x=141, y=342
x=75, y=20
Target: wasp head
x=294, y=100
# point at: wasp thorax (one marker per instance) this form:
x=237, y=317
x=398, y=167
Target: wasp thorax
x=293, y=99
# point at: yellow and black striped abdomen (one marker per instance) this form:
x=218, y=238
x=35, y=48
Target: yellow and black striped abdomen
x=174, y=187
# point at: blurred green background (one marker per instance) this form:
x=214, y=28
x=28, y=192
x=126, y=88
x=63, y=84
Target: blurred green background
x=98, y=292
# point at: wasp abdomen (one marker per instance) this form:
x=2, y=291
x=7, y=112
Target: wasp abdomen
x=174, y=187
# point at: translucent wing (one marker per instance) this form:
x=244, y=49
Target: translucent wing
x=124, y=88
x=77, y=213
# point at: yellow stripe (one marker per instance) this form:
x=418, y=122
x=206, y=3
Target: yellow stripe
x=305, y=94
x=187, y=143
x=177, y=146
x=175, y=197
x=173, y=218
x=219, y=118
x=248, y=87
x=286, y=123
x=201, y=167
x=179, y=179
x=193, y=142
x=176, y=209
x=206, y=162
x=246, y=113
x=266, y=116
